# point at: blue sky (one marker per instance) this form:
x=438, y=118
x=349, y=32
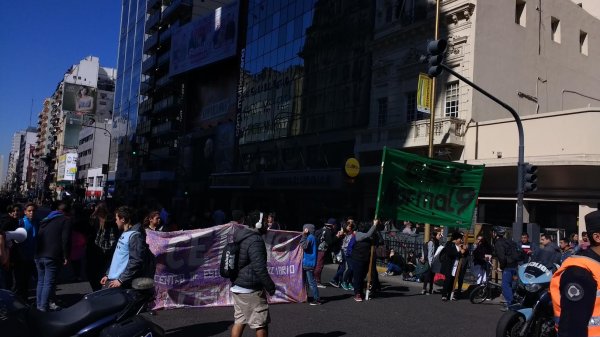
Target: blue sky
x=40, y=40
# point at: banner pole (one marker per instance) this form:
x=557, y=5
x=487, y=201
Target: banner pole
x=370, y=273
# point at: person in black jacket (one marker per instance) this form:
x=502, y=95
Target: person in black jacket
x=361, y=253
x=52, y=251
x=508, y=264
x=453, y=251
x=253, y=280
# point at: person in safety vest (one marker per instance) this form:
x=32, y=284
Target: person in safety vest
x=574, y=289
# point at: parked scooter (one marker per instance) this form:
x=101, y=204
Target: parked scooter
x=101, y=312
x=533, y=314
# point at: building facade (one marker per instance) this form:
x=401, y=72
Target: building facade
x=541, y=63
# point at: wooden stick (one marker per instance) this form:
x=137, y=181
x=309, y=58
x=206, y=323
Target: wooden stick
x=369, y=275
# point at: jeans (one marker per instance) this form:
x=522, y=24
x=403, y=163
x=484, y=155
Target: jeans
x=339, y=274
x=47, y=269
x=348, y=274
x=320, y=264
x=480, y=273
x=393, y=268
x=312, y=283
x=507, y=284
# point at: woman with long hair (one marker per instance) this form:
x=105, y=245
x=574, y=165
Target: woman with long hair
x=152, y=221
x=101, y=244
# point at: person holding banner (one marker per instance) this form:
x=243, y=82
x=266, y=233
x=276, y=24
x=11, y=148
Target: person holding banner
x=361, y=255
x=309, y=260
x=253, y=281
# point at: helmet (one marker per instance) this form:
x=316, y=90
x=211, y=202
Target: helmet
x=499, y=230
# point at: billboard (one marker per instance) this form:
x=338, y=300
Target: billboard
x=104, y=105
x=79, y=99
x=205, y=40
x=67, y=167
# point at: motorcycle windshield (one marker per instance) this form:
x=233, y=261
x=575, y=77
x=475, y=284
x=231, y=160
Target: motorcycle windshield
x=534, y=273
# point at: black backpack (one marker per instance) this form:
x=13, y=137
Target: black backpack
x=511, y=252
x=230, y=257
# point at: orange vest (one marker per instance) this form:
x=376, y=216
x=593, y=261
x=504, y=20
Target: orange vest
x=593, y=267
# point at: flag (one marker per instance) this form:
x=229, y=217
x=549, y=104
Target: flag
x=425, y=190
x=424, y=102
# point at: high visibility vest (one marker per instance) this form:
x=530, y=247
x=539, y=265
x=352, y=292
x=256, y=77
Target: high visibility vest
x=593, y=267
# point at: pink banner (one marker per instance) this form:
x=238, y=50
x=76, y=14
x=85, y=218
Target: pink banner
x=187, y=267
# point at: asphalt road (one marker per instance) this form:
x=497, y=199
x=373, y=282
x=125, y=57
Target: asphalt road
x=400, y=310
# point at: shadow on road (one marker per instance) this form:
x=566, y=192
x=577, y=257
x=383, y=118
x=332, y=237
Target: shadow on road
x=203, y=329
x=321, y=334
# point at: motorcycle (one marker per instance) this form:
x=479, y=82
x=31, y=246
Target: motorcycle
x=532, y=315
x=106, y=312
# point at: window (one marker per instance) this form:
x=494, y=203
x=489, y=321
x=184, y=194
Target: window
x=583, y=42
x=452, y=99
x=411, y=107
x=382, y=111
x=521, y=13
x=555, y=27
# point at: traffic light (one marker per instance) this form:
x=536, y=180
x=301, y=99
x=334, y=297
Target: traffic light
x=530, y=177
x=135, y=148
x=435, y=57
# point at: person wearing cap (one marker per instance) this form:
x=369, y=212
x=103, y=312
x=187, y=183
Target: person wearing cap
x=325, y=240
x=575, y=288
x=507, y=266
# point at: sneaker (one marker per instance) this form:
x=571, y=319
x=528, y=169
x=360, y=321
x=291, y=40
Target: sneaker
x=334, y=284
x=344, y=286
x=316, y=302
x=350, y=287
x=427, y=293
x=504, y=308
x=54, y=307
x=423, y=292
x=319, y=285
x=358, y=298
x=383, y=274
x=444, y=298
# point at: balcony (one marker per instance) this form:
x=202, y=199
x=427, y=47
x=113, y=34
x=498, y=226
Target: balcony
x=152, y=22
x=164, y=104
x=145, y=106
x=176, y=6
x=148, y=65
x=447, y=131
x=152, y=5
x=163, y=81
x=166, y=35
x=165, y=128
x=163, y=59
x=150, y=43
x=146, y=86
x=163, y=153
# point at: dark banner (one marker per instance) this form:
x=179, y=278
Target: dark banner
x=425, y=190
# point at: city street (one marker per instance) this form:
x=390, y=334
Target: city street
x=400, y=310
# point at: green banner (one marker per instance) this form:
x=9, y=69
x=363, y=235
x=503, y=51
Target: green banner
x=424, y=190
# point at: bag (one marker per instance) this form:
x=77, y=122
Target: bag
x=511, y=252
x=230, y=257
x=438, y=279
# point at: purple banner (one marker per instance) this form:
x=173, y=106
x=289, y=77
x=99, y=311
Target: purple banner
x=187, y=267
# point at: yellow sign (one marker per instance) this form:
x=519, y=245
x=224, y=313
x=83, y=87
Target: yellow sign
x=424, y=102
x=352, y=167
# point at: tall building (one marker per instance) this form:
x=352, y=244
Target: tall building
x=20, y=164
x=128, y=95
x=83, y=96
x=539, y=62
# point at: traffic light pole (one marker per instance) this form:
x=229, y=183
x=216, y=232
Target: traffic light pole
x=518, y=225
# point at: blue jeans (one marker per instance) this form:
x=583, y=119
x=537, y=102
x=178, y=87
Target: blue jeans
x=312, y=283
x=47, y=269
x=393, y=268
x=507, y=284
x=339, y=274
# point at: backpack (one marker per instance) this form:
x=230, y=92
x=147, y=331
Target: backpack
x=230, y=257
x=511, y=252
